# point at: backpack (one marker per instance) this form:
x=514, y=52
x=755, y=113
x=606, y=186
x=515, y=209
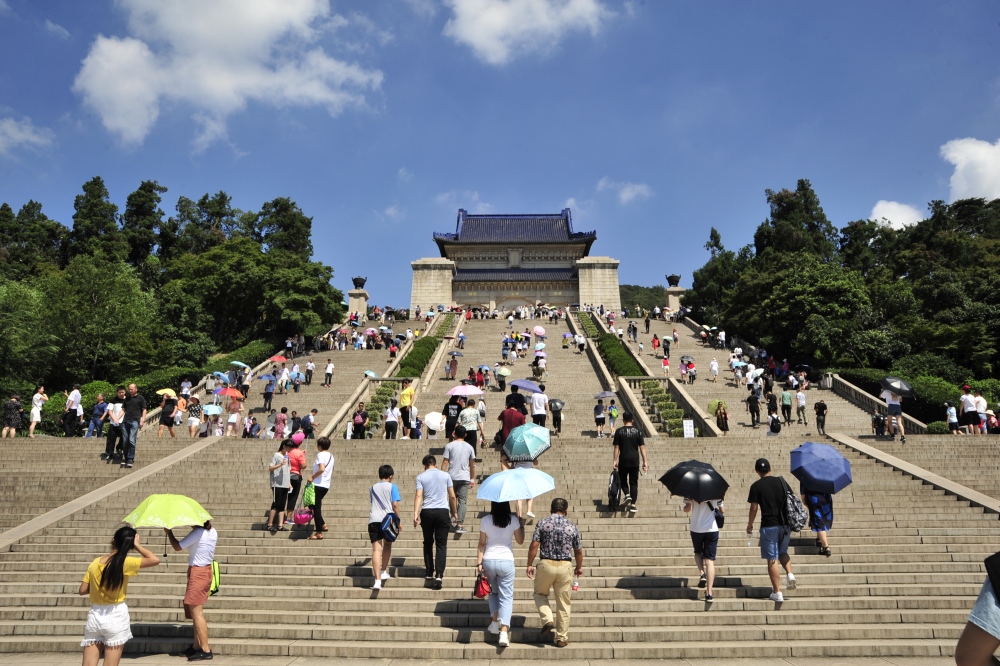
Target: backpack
x=358, y=419
x=614, y=491
x=216, y=578
x=613, y=411
x=775, y=425
x=795, y=514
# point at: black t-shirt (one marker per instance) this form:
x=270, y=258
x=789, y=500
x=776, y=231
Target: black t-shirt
x=451, y=411
x=516, y=400
x=628, y=439
x=753, y=402
x=820, y=408
x=168, y=406
x=769, y=494
x=134, y=407
x=772, y=402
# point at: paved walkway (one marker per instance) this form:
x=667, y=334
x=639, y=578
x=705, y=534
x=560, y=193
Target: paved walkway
x=65, y=659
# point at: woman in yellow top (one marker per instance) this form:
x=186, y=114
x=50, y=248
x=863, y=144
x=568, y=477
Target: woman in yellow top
x=106, y=581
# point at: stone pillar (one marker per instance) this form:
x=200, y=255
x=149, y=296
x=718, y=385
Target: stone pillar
x=358, y=301
x=432, y=279
x=598, y=280
x=674, y=297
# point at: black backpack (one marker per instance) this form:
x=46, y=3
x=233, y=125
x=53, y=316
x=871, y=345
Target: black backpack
x=775, y=425
x=614, y=490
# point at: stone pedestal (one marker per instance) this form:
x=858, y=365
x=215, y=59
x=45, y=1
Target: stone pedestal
x=674, y=297
x=598, y=280
x=357, y=301
x=432, y=283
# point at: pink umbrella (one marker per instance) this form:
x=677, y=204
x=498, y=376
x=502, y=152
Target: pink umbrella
x=371, y=331
x=465, y=389
x=541, y=353
x=539, y=330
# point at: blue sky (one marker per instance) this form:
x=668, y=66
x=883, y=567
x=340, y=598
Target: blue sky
x=652, y=120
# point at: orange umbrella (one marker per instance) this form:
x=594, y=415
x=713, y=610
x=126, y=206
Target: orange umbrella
x=229, y=392
x=278, y=359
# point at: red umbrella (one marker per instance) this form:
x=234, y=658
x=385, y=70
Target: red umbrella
x=278, y=359
x=230, y=392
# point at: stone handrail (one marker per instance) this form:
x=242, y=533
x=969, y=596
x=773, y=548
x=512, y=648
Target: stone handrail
x=870, y=403
x=976, y=498
x=434, y=364
x=603, y=327
x=631, y=402
x=362, y=392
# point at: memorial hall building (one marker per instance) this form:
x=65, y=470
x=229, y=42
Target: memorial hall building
x=496, y=261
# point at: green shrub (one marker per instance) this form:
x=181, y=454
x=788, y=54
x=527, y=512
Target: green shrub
x=617, y=359
x=151, y=382
x=253, y=354
x=672, y=414
x=937, y=428
x=663, y=405
x=649, y=385
x=679, y=432
x=420, y=354
x=590, y=329
x=676, y=423
x=928, y=364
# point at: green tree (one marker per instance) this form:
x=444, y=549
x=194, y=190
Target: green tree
x=95, y=225
x=141, y=221
x=28, y=240
x=282, y=225
x=27, y=345
x=797, y=224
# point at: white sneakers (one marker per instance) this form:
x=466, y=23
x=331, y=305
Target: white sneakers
x=385, y=575
x=494, y=627
x=530, y=515
x=790, y=582
x=777, y=596
x=504, y=639
x=377, y=585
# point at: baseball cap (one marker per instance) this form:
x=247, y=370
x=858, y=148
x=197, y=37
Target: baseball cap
x=762, y=465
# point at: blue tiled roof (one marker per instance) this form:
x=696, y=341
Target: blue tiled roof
x=546, y=228
x=514, y=274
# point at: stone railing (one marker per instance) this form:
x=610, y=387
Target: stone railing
x=365, y=390
x=870, y=403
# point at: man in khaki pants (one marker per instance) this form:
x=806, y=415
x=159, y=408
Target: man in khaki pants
x=557, y=542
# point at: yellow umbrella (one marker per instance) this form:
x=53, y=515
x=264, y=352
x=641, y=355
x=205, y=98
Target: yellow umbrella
x=167, y=511
x=167, y=391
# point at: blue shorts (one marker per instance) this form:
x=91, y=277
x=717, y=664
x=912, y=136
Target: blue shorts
x=986, y=613
x=895, y=410
x=774, y=542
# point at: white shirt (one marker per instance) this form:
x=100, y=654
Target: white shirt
x=968, y=403
x=391, y=414
x=310, y=366
x=329, y=368
x=702, y=516
x=185, y=387
x=284, y=374
x=801, y=397
x=499, y=542
x=326, y=458
x=73, y=402
x=200, y=544
x=981, y=405
x=539, y=403
x=714, y=367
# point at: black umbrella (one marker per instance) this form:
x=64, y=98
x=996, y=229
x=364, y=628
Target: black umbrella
x=687, y=359
x=803, y=367
x=556, y=404
x=898, y=386
x=695, y=480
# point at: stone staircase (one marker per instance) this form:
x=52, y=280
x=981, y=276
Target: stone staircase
x=906, y=563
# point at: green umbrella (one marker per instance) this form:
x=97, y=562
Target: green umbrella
x=527, y=442
x=167, y=511
x=714, y=405
x=504, y=372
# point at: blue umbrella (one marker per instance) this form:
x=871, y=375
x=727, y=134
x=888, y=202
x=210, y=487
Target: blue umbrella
x=739, y=364
x=526, y=385
x=485, y=367
x=371, y=373
x=240, y=363
x=540, y=346
x=821, y=468
x=267, y=378
x=605, y=394
x=515, y=484
x=296, y=375
x=527, y=442
x=212, y=410
x=455, y=353
x=221, y=375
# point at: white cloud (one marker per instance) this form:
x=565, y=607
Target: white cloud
x=426, y=8
x=627, y=192
x=467, y=199
x=977, y=168
x=56, y=29
x=216, y=58
x=499, y=30
x=405, y=174
x=394, y=212
x=570, y=203
x=898, y=215
x=22, y=134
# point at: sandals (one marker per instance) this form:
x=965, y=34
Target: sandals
x=315, y=537
x=825, y=551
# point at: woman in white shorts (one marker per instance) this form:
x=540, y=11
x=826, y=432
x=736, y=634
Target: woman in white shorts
x=106, y=581
x=194, y=416
x=37, y=402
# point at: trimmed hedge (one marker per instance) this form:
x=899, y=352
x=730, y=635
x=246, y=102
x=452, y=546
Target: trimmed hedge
x=679, y=432
x=937, y=428
x=616, y=357
x=590, y=328
x=420, y=354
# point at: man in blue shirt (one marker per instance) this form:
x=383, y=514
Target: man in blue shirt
x=96, y=427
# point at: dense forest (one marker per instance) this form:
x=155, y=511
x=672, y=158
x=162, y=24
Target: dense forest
x=122, y=293
x=645, y=297
x=921, y=301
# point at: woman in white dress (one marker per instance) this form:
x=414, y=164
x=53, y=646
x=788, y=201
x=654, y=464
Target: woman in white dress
x=37, y=402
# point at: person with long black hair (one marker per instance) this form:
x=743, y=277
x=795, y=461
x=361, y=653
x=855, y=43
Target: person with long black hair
x=496, y=562
x=106, y=581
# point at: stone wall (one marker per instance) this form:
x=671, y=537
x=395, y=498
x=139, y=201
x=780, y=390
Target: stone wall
x=598, y=280
x=432, y=283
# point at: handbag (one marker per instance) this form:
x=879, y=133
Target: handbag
x=482, y=588
x=720, y=518
x=390, y=523
x=309, y=495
